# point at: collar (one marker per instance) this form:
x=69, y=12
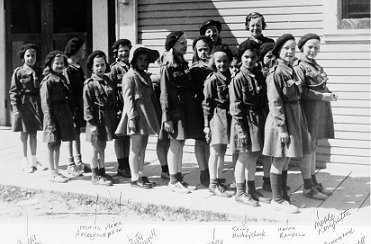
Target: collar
x=122, y=63
x=284, y=66
x=223, y=77
x=27, y=68
x=305, y=59
x=142, y=77
x=247, y=71
x=73, y=64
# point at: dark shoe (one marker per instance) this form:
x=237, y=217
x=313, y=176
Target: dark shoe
x=267, y=187
x=205, y=178
x=319, y=187
x=110, y=178
x=140, y=184
x=147, y=181
x=257, y=196
x=220, y=190
x=314, y=194
x=84, y=168
x=124, y=173
x=100, y=180
x=246, y=199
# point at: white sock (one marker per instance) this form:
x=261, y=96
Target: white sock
x=34, y=160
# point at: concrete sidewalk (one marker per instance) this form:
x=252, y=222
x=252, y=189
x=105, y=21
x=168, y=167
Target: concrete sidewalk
x=351, y=184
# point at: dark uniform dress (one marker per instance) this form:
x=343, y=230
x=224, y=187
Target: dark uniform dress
x=199, y=72
x=24, y=95
x=216, y=107
x=118, y=70
x=75, y=79
x=248, y=97
x=57, y=107
x=140, y=104
x=261, y=39
x=285, y=114
x=177, y=101
x=317, y=111
x=100, y=109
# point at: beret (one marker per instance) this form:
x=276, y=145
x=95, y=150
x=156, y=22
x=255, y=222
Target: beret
x=279, y=43
x=307, y=37
x=73, y=46
x=210, y=22
x=248, y=44
x=223, y=48
x=153, y=55
x=172, y=38
x=265, y=48
x=90, y=60
x=122, y=42
x=25, y=47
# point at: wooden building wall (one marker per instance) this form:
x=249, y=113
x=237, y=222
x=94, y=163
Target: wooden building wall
x=346, y=61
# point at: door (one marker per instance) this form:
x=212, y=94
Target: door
x=47, y=23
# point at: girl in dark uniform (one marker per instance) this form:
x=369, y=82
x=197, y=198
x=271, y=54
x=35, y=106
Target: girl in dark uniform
x=202, y=47
x=100, y=113
x=57, y=106
x=216, y=116
x=247, y=101
x=121, y=51
x=25, y=101
x=176, y=94
x=317, y=108
x=75, y=51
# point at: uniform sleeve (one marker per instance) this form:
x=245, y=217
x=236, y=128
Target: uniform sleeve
x=14, y=93
x=128, y=85
x=113, y=75
x=276, y=106
x=208, y=104
x=88, y=96
x=46, y=102
x=236, y=107
x=164, y=92
x=308, y=93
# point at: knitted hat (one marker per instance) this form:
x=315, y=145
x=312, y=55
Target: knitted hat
x=172, y=38
x=210, y=22
x=248, y=44
x=25, y=47
x=153, y=55
x=279, y=43
x=265, y=48
x=73, y=46
x=96, y=53
x=307, y=37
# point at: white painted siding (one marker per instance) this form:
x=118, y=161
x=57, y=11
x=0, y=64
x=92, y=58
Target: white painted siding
x=346, y=62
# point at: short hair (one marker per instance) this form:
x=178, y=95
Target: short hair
x=27, y=46
x=96, y=54
x=123, y=42
x=207, y=40
x=51, y=56
x=220, y=48
x=255, y=15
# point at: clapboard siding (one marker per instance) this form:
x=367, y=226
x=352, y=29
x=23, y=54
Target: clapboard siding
x=346, y=62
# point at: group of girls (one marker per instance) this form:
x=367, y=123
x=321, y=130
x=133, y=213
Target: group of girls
x=264, y=102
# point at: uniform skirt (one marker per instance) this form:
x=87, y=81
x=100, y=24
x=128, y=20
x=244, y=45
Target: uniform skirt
x=299, y=138
x=64, y=128
x=30, y=118
x=220, y=126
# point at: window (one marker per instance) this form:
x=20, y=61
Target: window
x=354, y=14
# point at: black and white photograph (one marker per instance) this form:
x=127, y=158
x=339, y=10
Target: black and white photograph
x=184, y=121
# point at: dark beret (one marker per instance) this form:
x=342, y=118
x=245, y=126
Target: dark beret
x=206, y=39
x=172, y=38
x=279, y=43
x=248, y=44
x=153, y=55
x=50, y=57
x=223, y=48
x=25, y=47
x=265, y=48
x=96, y=53
x=210, y=22
x=122, y=42
x=73, y=46
x=307, y=37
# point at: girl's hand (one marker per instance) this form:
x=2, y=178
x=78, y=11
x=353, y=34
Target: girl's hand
x=284, y=137
x=329, y=97
x=132, y=125
x=168, y=126
x=207, y=134
x=93, y=129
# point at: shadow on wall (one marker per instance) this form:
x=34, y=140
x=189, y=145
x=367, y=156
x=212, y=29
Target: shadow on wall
x=156, y=20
